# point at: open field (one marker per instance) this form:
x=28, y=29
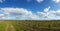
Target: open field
x=29, y=25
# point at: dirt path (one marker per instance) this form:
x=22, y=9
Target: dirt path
x=10, y=28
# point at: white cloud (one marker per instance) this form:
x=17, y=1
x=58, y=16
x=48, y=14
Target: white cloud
x=39, y=1
x=47, y=9
x=2, y=1
x=49, y=14
x=16, y=11
x=56, y=1
x=19, y=13
x=24, y=14
x=3, y=17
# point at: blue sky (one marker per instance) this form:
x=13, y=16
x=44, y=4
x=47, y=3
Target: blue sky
x=30, y=9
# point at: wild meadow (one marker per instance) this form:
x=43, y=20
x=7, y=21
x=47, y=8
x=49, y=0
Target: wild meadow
x=29, y=25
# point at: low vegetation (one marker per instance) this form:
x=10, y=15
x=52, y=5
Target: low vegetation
x=30, y=25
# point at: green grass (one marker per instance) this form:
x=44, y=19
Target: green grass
x=3, y=26
x=31, y=25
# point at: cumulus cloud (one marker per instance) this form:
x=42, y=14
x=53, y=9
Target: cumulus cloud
x=3, y=17
x=2, y=1
x=47, y=9
x=19, y=13
x=56, y=1
x=15, y=11
x=24, y=14
x=49, y=14
x=39, y=1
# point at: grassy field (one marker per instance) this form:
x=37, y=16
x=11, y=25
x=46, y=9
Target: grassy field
x=29, y=25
